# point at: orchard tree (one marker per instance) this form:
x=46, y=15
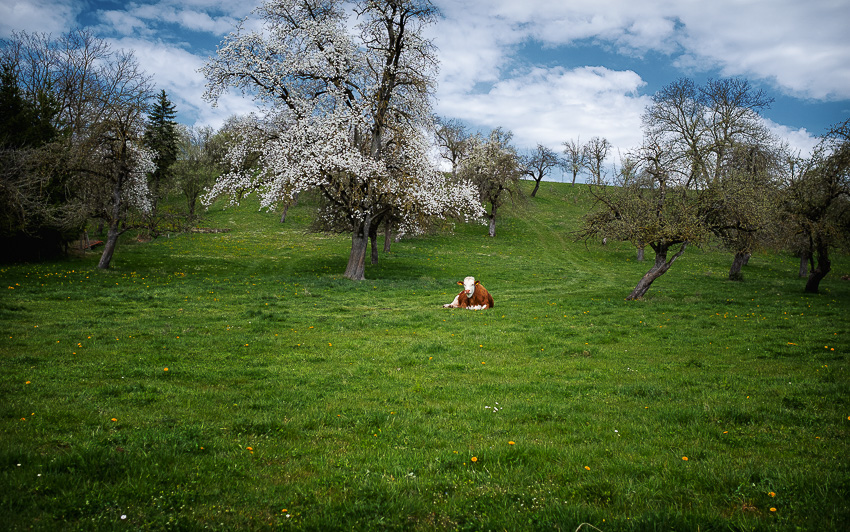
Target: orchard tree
x=496, y=170
x=595, y=153
x=196, y=167
x=818, y=202
x=539, y=163
x=742, y=206
x=575, y=158
x=649, y=206
x=352, y=112
x=453, y=141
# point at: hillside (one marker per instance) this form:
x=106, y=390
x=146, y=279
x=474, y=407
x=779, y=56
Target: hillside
x=236, y=381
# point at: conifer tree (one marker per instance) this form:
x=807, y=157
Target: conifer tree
x=162, y=137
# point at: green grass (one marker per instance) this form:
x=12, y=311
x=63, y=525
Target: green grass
x=363, y=404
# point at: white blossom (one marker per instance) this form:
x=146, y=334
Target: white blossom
x=344, y=114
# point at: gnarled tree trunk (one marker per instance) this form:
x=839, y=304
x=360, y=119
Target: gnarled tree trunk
x=388, y=236
x=492, y=216
x=658, y=269
x=804, y=263
x=114, y=227
x=356, y=268
x=824, y=265
x=741, y=258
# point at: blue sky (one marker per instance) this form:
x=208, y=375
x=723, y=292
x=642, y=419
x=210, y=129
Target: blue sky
x=548, y=70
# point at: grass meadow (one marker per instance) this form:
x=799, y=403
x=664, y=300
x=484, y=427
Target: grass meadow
x=236, y=381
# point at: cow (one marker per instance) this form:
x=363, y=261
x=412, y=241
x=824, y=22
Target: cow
x=473, y=296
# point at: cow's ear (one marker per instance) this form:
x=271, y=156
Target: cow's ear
x=460, y=283
x=477, y=282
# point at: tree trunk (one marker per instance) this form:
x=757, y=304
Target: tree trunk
x=640, y=253
x=735, y=271
x=114, y=226
x=373, y=240
x=658, y=269
x=536, y=186
x=291, y=203
x=109, y=246
x=492, y=217
x=388, y=237
x=823, y=267
x=804, y=264
x=356, y=269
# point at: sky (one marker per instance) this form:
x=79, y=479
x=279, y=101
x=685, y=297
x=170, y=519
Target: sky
x=547, y=70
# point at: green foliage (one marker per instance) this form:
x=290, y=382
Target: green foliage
x=32, y=196
x=296, y=399
x=162, y=138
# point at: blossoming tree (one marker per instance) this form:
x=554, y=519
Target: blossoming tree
x=345, y=113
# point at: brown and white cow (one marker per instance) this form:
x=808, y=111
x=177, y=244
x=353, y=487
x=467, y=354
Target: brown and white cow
x=473, y=296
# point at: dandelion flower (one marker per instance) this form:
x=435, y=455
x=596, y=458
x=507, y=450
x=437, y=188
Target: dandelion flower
x=772, y=494
x=773, y=509
x=114, y=419
x=685, y=458
x=474, y=459
x=165, y=369
x=511, y=443
x=250, y=448
x=587, y=467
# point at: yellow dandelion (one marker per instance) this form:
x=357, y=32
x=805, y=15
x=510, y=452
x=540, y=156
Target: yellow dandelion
x=114, y=419
x=164, y=369
x=587, y=467
x=511, y=443
x=474, y=459
x=29, y=382
x=772, y=494
x=250, y=448
x=685, y=458
x=773, y=509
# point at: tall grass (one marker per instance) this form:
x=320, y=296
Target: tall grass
x=235, y=380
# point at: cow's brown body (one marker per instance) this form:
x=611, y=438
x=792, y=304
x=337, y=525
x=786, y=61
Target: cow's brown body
x=473, y=297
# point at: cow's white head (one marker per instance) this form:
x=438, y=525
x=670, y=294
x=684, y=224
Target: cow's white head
x=468, y=285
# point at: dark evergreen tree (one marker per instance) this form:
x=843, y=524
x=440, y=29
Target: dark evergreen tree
x=162, y=137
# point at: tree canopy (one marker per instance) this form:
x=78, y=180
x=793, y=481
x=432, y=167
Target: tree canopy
x=346, y=115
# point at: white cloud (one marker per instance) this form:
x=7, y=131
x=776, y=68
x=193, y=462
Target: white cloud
x=551, y=106
x=800, y=141
x=175, y=70
x=208, y=17
x=50, y=16
x=802, y=47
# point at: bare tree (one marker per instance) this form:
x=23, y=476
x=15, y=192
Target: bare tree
x=818, y=202
x=703, y=169
x=453, y=141
x=539, y=163
x=575, y=158
x=596, y=151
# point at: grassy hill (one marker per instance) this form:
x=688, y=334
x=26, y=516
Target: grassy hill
x=237, y=381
